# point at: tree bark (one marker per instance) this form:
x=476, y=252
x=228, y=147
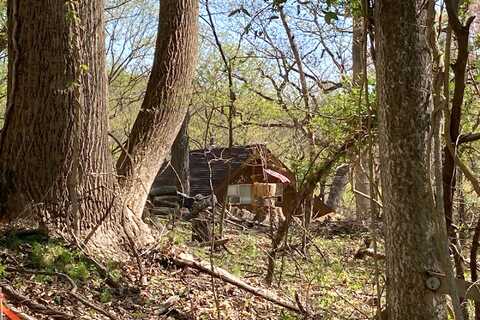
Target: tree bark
x=462, y=33
x=166, y=101
x=338, y=186
x=357, y=52
x=362, y=184
x=55, y=163
x=435, y=152
x=360, y=167
x=54, y=156
x=403, y=86
x=449, y=169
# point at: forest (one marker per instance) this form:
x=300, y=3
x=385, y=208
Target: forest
x=240, y=159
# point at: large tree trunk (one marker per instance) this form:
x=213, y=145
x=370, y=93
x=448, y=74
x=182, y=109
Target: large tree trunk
x=166, y=101
x=55, y=164
x=404, y=86
x=54, y=156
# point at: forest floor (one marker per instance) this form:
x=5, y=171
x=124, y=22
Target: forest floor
x=330, y=282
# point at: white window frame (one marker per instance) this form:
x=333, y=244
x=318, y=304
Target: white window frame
x=242, y=192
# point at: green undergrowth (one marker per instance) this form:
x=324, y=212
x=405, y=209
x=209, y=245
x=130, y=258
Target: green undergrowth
x=56, y=258
x=50, y=256
x=329, y=278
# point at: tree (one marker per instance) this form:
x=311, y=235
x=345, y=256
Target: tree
x=55, y=164
x=403, y=85
x=360, y=165
x=338, y=186
x=179, y=160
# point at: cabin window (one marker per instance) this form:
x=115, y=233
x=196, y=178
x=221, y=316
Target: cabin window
x=239, y=194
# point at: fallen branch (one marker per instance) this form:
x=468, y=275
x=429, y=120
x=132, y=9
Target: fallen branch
x=242, y=227
x=187, y=260
x=366, y=196
x=103, y=271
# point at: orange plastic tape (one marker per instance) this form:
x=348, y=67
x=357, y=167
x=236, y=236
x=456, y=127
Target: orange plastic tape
x=9, y=313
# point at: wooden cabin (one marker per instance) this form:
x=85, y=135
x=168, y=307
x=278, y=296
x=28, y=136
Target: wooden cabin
x=242, y=172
